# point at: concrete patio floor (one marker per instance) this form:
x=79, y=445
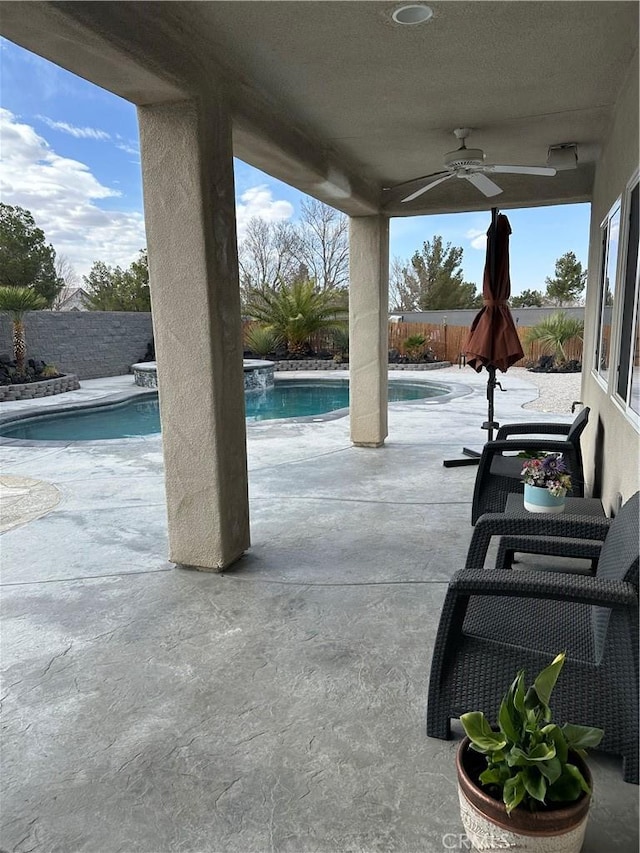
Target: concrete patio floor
x=279, y=706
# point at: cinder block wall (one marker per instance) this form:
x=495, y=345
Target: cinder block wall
x=523, y=317
x=90, y=344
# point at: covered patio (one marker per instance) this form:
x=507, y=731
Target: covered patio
x=343, y=101
x=278, y=706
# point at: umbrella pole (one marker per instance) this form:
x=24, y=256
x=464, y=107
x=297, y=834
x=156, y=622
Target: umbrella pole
x=490, y=424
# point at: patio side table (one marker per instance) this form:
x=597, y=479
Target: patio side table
x=577, y=532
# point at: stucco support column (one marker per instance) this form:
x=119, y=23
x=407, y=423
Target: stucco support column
x=187, y=166
x=368, y=324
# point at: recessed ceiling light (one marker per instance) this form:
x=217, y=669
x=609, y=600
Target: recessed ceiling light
x=414, y=13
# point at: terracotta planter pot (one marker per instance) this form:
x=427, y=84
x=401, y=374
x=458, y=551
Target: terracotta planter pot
x=489, y=827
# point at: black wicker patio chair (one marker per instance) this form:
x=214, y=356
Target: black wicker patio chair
x=496, y=621
x=499, y=474
x=581, y=549
x=579, y=534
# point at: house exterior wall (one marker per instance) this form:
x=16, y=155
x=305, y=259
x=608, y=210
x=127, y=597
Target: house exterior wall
x=90, y=344
x=611, y=441
x=74, y=302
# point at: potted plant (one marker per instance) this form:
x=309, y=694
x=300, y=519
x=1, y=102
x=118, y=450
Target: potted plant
x=525, y=785
x=546, y=482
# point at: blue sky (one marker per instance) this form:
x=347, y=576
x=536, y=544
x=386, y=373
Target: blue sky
x=71, y=156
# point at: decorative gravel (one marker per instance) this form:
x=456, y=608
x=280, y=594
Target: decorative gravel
x=557, y=390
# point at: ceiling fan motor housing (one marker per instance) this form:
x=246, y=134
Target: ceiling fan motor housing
x=464, y=158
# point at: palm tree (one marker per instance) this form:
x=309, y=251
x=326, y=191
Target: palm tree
x=16, y=301
x=554, y=332
x=414, y=347
x=295, y=312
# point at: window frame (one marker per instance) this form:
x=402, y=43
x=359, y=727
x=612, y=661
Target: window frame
x=605, y=379
x=622, y=346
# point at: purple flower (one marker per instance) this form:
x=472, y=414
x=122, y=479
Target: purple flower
x=554, y=464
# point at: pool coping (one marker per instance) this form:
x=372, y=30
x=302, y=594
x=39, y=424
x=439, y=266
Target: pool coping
x=455, y=390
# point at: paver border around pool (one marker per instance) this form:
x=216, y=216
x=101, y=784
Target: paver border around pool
x=454, y=390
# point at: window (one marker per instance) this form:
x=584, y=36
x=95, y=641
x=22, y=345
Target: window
x=610, y=243
x=628, y=384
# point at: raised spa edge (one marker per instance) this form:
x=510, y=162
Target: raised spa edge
x=258, y=374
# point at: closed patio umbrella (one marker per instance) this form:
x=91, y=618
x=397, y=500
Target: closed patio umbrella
x=492, y=341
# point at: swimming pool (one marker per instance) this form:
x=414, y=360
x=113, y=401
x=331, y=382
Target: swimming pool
x=288, y=398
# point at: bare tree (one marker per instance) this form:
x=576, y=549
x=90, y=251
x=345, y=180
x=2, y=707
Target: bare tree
x=275, y=254
x=65, y=271
x=323, y=246
x=267, y=256
x=404, y=288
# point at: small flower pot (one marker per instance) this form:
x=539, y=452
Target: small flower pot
x=538, y=499
x=489, y=828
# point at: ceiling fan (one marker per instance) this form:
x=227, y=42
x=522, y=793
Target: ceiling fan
x=468, y=163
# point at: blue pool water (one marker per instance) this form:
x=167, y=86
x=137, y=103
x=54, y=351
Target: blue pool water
x=289, y=398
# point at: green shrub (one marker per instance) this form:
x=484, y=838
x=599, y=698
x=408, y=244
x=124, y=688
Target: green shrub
x=340, y=338
x=554, y=332
x=295, y=312
x=261, y=340
x=414, y=347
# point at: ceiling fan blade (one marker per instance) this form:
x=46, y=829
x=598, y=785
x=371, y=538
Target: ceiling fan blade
x=524, y=170
x=425, y=188
x=416, y=180
x=483, y=183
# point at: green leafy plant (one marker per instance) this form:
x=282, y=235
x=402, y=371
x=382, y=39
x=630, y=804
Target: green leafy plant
x=261, y=340
x=50, y=371
x=295, y=312
x=528, y=756
x=340, y=340
x=554, y=332
x=414, y=346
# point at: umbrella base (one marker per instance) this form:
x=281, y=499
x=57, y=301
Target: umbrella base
x=473, y=458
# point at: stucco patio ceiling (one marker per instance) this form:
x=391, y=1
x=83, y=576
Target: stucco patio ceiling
x=340, y=101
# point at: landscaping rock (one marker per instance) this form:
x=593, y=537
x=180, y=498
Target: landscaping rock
x=547, y=364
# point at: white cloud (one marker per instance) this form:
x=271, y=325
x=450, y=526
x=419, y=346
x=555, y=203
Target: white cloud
x=477, y=238
x=128, y=146
x=128, y=149
x=258, y=201
x=63, y=196
x=77, y=132
x=61, y=193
